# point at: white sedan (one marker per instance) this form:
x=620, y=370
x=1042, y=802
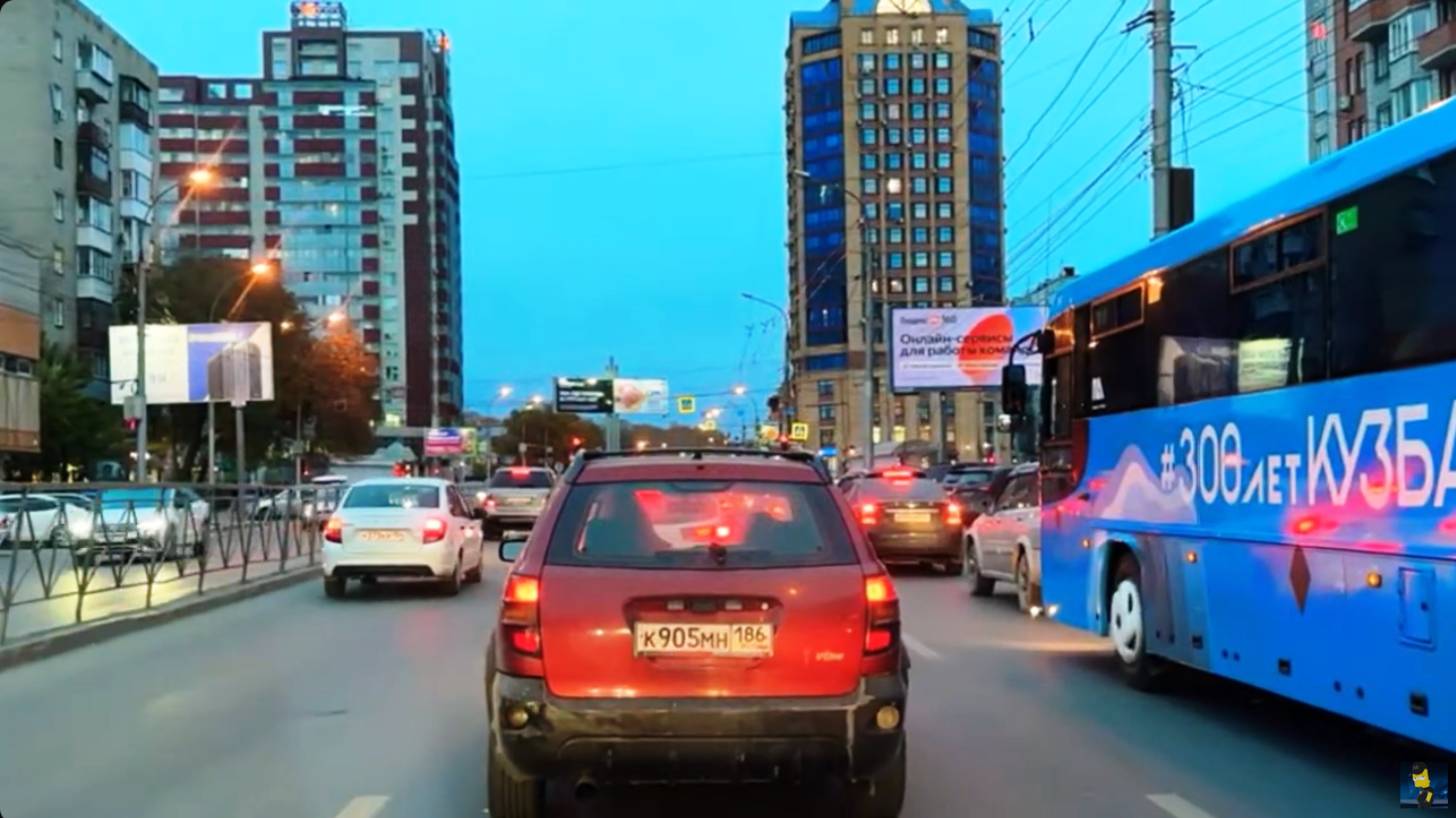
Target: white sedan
x=402, y=527
x=43, y=519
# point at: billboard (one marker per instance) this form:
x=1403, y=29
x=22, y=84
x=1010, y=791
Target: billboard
x=959, y=348
x=585, y=396
x=635, y=396
x=195, y=363
x=444, y=442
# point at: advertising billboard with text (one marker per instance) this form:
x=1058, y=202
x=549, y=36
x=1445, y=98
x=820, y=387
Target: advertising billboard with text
x=959, y=348
x=195, y=363
x=639, y=396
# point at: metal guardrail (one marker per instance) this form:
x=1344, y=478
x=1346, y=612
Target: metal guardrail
x=74, y=552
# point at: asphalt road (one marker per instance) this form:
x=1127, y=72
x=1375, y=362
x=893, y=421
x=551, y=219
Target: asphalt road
x=294, y=705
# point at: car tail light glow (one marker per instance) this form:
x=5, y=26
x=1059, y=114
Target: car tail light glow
x=954, y=514
x=520, y=624
x=488, y=501
x=519, y=471
x=899, y=474
x=435, y=529
x=334, y=530
x=869, y=514
x=882, y=620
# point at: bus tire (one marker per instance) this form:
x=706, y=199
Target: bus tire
x=1127, y=627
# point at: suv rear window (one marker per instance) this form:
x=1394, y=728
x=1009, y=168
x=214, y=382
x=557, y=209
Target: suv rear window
x=520, y=479
x=980, y=477
x=393, y=496
x=700, y=524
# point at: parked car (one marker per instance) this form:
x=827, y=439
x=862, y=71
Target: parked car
x=147, y=523
x=311, y=503
x=1005, y=542
x=402, y=527
x=514, y=498
x=712, y=616
x=908, y=517
x=42, y=519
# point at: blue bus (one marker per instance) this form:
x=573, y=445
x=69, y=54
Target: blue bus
x=1248, y=437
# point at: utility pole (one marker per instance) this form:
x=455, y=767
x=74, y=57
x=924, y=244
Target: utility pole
x=868, y=257
x=1162, y=42
x=614, y=423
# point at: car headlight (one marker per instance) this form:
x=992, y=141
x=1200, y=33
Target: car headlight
x=152, y=525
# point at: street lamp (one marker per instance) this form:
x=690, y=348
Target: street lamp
x=784, y=379
x=537, y=400
x=504, y=392
x=285, y=325
x=869, y=260
x=257, y=272
x=337, y=317
x=198, y=178
x=740, y=390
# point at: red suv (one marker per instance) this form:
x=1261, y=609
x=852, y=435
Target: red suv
x=696, y=616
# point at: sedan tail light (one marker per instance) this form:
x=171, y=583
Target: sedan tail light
x=520, y=626
x=334, y=530
x=435, y=529
x=954, y=514
x=869, y=514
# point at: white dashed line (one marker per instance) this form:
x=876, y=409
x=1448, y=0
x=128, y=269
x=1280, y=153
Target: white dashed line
x=918, y=647
x=365, y=806
x=1177, y=806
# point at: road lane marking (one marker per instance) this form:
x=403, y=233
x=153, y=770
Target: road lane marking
x=1177, y=806
x=365, y=806
x=918, y=647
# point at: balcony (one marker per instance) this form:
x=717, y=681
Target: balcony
x=1369, y=23
x=1438, y=46
x=89, y=183
x=93, y=288
x=94, y=237
x=92, y=87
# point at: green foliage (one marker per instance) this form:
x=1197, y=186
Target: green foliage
x=74, y=429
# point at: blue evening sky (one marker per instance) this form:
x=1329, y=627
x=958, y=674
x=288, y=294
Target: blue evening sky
x=623, y=167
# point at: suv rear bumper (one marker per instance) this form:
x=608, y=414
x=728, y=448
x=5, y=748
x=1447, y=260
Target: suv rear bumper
x=698, y=740
x=896, y=547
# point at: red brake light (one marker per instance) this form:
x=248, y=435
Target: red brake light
x=879, y=589
x=519, y=471
x=954, y=514
x=869, y=514
x=526, y=640
x=434, y=529
x=882, y=615
x=878, y=639
x=334, y=530
x=522, y=590
x=899, y=474
x=489, y=503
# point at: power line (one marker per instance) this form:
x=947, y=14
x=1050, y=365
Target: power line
x=1193, y=13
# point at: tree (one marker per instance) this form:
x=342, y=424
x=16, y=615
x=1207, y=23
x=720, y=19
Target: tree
x=75, y=430
x=563, y=432
x=674, y=437
x=337, y=383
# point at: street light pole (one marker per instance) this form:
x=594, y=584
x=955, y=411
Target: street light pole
x=869, y=260
x=784, y=379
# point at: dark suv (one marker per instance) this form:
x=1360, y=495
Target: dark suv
x=696, y=616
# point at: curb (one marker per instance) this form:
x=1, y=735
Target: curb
x=63, y=640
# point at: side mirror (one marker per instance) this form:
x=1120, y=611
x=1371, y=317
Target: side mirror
x=511, y=547
x=1013, y=390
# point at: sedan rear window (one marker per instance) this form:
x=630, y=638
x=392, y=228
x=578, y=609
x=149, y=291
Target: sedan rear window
x=520, y=479
x=882, y=488
x=973, y=478
x=393, y=496
x=700, y=524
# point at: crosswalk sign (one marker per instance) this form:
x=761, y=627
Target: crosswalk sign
x=687, y=405
x=799, y=432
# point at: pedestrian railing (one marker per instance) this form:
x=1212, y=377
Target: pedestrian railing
x=71, y=553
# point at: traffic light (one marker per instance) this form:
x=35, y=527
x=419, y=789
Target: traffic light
x=130, y=424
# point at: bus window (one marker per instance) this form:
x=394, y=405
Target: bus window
x=1394, y=277
x=1279, y=328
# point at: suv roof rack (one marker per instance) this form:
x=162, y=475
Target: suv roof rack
x=807, y=458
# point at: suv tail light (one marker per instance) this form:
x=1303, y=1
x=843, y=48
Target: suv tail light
x=334, y=530
x=520, y=626
x=435, y=529
x=869, y=514
x=882, y=625
x=954, y=514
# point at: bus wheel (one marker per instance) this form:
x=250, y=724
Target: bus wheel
x=1127, y=626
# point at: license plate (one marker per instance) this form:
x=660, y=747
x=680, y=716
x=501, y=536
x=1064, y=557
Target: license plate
x=913, y=517
x=518, y=501
x=747, y=639
x=380, y=535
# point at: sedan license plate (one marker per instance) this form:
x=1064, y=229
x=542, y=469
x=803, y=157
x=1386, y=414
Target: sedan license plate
x=665, y=639
x=912, y=517
x=380, y=535
x=518, y=501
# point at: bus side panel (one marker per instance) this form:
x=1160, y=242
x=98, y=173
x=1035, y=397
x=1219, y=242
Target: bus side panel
x=1181, y=632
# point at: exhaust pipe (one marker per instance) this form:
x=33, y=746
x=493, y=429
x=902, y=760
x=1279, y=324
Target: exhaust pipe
x=586, y=789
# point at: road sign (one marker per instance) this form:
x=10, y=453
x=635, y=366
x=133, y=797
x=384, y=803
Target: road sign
x=768, y=431
x=799, y=432
x=687, y=404
x=709, y=425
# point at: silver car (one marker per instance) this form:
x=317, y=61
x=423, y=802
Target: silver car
x=1004, y=543
x=514, y=497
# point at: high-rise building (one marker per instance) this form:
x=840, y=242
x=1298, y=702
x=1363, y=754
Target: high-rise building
x=894, y=166
x=77, y=165
x=1388, y=59
x=337, y=165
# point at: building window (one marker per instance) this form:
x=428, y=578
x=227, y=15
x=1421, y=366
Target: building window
x=917, y=110
x=892, y=111
x=892, y=62
x=897, y=287
x=943, y=160
x=58, y=46
x=895, y=235
x=826, y=412
x=942, y=136
x=869, y=185
x=867, y=36
x=868, y=112
x=919, y=210
x=217, y=90
x=1380, y=60
x=944, y=184
x=58, y=260
x=893, y=136
x=867, y=86
x=917, y=136
x=942, y=86
x=920, y=235
x=1360, y=72
x=917, y=86
x=825, y=390
x=1383, y=116
x=1405, y=30
x=917, y=36
x=921, y=261
x=58, y=153
x=894, y=161
x=942, y=110
x=58, y=104
x=243, y=90
x=944, y=234
x=869, y=161
x=897, y=261
x=944, y=210
x=917, y=61
x=892, y=86
x=58, y=312
x=942, y=36
x=942, y=59
x=919, y=185
x=826, y=437
x=945, y=259
x=895, y=211
x=892, y=36
x=871, y=211
x=866, y=62
x=58, y=206
x=868, y=136
x=918, y=160
x=945, y=284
